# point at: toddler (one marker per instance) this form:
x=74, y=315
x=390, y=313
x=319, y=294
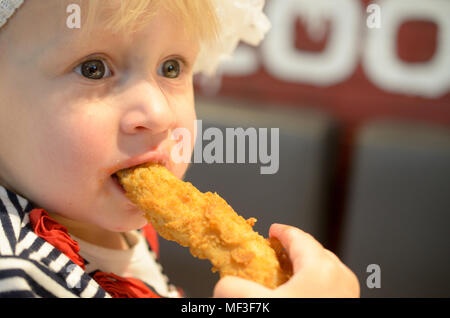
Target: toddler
x=79, y=104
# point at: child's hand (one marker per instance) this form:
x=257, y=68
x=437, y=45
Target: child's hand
x=317, y=271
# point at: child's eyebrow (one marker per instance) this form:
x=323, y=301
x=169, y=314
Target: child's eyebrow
x=64, y=48
x=58, y=52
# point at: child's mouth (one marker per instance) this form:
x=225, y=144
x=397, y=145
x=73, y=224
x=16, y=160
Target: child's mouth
x=117, y=182
x=153, y=157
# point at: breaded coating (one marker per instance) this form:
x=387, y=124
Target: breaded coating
x=206, y=224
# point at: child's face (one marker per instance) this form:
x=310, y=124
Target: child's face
x=63, y=133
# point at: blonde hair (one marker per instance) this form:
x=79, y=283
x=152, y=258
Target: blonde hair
x=199, y=16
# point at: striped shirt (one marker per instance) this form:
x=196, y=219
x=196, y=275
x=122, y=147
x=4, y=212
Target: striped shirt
x=32, y=267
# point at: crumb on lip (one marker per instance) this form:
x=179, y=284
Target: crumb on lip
x=125, y=171
x=141, y=165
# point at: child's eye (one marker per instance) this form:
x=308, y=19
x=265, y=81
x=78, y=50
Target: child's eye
x=170, y=69
x=93, y=69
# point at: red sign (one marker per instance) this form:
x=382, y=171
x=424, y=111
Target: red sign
x=358, y=60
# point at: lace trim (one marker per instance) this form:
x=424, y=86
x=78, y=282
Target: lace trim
x=7, y=9
x=240, y=20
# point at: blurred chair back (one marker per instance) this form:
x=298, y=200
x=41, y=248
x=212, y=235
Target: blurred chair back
x=399, y=210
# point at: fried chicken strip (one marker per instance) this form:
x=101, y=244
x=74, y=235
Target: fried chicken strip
x=206, y=224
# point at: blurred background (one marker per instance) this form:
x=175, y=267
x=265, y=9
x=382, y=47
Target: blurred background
x=360, y=92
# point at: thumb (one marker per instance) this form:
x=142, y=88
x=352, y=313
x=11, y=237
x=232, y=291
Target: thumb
x=236, y=287
x=300, y=246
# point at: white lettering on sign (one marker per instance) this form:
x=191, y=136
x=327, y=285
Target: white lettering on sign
x=244, y=62
x=381, y=63
x=338, y=61
x=335, y=64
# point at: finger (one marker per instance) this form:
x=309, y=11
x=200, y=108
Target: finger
x=331, y=255
x=336, y=260
x=300, y=246
x=236, y=287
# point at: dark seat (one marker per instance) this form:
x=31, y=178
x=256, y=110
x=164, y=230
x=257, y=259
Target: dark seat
x=398, y=214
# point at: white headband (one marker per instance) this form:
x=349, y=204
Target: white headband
x=240, y=20
x=7, y=8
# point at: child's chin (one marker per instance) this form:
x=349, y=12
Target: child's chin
x=132, y=223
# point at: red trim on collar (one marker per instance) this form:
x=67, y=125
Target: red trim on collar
x=152, y=238
x=120, y=287
x=55, y=234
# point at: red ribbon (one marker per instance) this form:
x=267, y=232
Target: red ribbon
x=56, y=234
x=118, y=287
x=152, y=238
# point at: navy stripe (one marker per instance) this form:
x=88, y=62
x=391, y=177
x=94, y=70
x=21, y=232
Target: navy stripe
x=84, y=281
x=24, y=231
x=51, y=256
x=100, y=293
x=40, y=265
x=61, y=276
x=13, y=198
x=17, y=294
x=35, y=246
x=44, y=269
x=34, y=286
x=29, y=207
x=7, y=226
x=66, y=271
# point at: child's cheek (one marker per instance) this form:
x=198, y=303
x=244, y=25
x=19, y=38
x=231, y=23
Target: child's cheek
x=83, y=147
x=92, y=145
x=187, y=120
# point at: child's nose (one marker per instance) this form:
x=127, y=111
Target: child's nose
x=147, y=108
